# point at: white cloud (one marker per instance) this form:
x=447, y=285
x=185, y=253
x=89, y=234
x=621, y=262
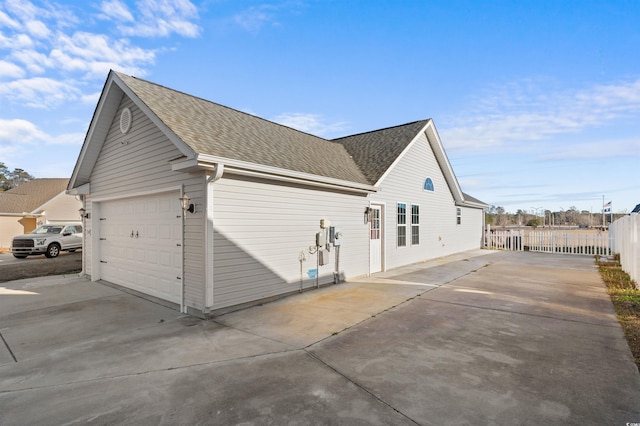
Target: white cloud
x=17, y=131
x=95, y=54
x=116, y=10
x=6, y=21
x=67, y=139
x=19, y=41
x=153, y=18
x=256, y=17
x=39, y=92
x=19, y=138
x=516, y=113
x=629, y=147
x=37, y=29
x=91, y=98
x=10, y=70
x=35, y=62
x=310, y=123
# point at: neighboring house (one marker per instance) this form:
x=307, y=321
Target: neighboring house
x=258, y=191
x=34, y=203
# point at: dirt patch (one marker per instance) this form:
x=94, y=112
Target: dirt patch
x=40, y=266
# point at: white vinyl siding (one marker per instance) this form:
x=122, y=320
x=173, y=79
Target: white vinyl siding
x=138, y=163
x=438, y=233
x=261, y=228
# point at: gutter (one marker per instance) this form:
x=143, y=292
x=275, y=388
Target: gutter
x=243, y=168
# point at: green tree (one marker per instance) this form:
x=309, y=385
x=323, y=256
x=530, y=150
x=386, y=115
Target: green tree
x=12, y=179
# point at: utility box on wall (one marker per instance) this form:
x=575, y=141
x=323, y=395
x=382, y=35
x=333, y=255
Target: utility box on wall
x=323, y=257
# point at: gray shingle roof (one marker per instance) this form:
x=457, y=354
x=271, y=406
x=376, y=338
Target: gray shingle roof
x=471, y=199
x=28, y=196
x=213, y=129
x=374, y=152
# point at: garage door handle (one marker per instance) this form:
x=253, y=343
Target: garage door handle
x=103, y=239
x=178, y=278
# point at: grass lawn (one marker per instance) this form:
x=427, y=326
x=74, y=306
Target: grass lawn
x=626, y=301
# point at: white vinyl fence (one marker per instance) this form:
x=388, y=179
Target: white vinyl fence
x=555, y=241
x=625, y=236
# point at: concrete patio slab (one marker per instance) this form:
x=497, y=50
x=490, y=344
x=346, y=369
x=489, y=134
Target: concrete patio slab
x=486, y=338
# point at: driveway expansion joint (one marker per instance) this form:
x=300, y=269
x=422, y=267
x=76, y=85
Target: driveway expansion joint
x=359, y=386
x=8, y=348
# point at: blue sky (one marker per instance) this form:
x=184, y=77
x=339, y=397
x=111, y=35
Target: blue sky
x=537, y=102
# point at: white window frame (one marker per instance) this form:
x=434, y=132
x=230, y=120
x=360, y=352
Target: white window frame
x=416, y=224
x=399, y=225
x=458, y=216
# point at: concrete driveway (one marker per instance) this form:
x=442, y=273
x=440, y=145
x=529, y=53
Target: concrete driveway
x=480, y=338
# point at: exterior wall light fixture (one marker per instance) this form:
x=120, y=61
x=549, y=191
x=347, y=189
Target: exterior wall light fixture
x=186, y=206
x=367, y=214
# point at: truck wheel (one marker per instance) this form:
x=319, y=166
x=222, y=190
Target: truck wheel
x=20, y=256
x=53, y=250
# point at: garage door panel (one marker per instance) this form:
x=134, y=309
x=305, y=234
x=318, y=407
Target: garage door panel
x=141, y=244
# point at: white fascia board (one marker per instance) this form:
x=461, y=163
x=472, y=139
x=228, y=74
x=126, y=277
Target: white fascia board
x=210, y=162
x=107, y=105
x=443, y=161
x=80, y=190
x=472, y=205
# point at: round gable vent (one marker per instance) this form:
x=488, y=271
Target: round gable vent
x=125, y=120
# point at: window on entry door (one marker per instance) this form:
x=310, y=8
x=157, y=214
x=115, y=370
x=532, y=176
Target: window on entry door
x=375, y=224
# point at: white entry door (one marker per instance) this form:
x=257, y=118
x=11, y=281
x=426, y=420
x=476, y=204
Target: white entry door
x=375, y=239
x=141, y=244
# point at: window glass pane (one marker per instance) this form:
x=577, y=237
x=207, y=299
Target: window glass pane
x=402, y=213
x=415, y=235
x=415, y=214
x=375, y=224
x=428, y=184
x=402, y=236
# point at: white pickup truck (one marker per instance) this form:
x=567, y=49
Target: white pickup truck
x=49, y=240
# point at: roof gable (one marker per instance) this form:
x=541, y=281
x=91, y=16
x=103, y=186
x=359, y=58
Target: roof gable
x=31, y=195
x=377, y=152
x=213, y=133
x=215, y=130
x=374, y=152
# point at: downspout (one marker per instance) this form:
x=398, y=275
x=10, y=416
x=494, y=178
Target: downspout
x=183, y=307
x=84, y=235
x=208, y=235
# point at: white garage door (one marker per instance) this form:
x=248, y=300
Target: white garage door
x=140, y=244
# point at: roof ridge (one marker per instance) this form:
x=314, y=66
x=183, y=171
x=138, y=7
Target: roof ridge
x=221, y=105
x=379, y=130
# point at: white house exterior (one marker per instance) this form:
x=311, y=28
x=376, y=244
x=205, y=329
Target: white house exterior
x=259, y=192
